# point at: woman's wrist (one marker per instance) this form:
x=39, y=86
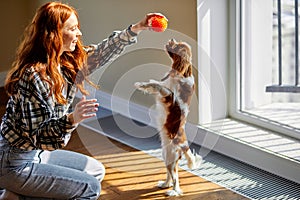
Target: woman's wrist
x=135, y=29
x=71, y=118
x=131, y=32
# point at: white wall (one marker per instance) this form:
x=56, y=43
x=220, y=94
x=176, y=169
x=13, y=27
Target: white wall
x=213, y=59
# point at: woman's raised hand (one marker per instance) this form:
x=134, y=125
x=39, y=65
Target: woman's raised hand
x=145, y=23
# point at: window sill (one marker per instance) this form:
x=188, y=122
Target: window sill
x=261, y=148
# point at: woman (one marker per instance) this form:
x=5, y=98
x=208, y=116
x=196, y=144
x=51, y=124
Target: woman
x=51, y=64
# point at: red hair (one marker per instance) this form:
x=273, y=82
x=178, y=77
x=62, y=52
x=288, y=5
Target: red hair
x=40, y=48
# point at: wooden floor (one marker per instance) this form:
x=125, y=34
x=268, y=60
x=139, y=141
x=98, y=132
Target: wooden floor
x=132, y=174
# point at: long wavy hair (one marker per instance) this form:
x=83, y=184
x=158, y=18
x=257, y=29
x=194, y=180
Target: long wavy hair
x=40, y=48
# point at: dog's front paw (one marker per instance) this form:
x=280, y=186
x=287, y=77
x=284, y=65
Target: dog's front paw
x=164, y=184
x=138, y=85
x=141, y=86
x=146, y=87
x=174, y=192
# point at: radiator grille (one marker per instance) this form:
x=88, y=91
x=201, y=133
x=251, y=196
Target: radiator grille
x=242, y=178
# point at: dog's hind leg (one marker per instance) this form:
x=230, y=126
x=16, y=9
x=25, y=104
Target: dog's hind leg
x=171, y=157
x=168, y=182
x=194, y=160
x=173, y=170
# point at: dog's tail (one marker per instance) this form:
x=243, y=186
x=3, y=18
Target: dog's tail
x=194, y=159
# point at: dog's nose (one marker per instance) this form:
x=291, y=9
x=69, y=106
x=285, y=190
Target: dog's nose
x=172, y=41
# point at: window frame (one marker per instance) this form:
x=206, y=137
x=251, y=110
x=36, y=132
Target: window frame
x=235, y=69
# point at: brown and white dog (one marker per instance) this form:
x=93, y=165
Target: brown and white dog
x=173, y=96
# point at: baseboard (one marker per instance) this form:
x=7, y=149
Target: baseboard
x=126, y=108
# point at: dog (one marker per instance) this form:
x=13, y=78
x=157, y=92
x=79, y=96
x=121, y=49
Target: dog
x=173, y=97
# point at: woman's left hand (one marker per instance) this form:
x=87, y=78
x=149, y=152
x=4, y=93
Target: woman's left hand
x=84, y=109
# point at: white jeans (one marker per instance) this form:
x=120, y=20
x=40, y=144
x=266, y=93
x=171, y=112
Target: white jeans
x=55, y=174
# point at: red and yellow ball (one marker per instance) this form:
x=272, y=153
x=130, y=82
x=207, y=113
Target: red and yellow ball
x=159, y=23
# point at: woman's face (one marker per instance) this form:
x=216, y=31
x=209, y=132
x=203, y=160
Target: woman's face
x=70, y=33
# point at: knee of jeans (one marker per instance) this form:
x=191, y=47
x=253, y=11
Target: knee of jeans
x=96, y=169
x=101, y=172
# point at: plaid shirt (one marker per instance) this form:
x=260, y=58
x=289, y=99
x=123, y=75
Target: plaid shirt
x=33, y=120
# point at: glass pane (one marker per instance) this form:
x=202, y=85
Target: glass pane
x=261, y=58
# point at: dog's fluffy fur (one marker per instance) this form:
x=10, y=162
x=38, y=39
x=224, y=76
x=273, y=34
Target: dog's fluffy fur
x=173, y=96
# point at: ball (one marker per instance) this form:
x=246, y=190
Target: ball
x=159, y=23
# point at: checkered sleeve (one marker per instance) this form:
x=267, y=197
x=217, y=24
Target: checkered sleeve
x=42, y=124
x=109, y=49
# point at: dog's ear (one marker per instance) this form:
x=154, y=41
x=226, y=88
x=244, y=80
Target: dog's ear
x=178, y=63
x=188, y=71
x=182, y=65
x=185, y=54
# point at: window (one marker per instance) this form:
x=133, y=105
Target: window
x=268, y=69
x=286, y=55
